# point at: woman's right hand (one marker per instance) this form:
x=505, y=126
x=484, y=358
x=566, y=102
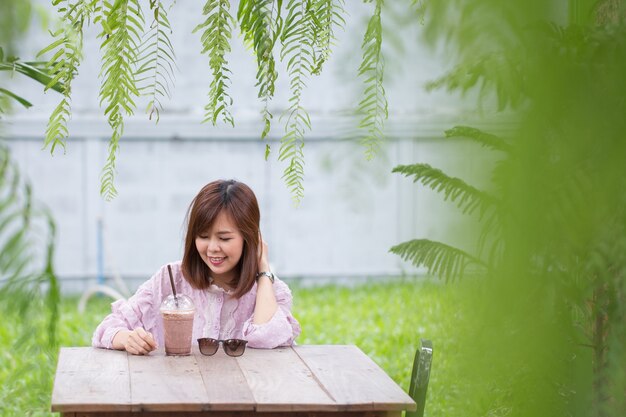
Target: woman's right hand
x=136, y=342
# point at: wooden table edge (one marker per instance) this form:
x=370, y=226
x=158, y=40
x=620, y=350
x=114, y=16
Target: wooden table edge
x=88, y=408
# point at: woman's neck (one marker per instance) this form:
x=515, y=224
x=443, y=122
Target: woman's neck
x=222, y=282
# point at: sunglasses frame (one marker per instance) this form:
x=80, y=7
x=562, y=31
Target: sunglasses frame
x=224, y=343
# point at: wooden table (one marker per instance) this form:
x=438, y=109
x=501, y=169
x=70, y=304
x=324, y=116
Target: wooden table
x=308, y=380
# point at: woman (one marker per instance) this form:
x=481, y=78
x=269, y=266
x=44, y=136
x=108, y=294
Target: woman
x=224, y=270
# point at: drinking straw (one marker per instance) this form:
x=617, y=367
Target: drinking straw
x=169, y=269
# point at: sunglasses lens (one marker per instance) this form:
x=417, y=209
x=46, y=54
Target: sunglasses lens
x=208, y=346
x=234, y=347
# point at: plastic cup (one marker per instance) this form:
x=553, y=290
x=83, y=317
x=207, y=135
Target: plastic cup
x=177, y=313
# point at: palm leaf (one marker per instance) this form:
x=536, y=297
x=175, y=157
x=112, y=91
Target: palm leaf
x=33, y=70
x=466, y=197
x=15, y=97
x=441, y=260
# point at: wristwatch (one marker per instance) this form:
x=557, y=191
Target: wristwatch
x=267, y=274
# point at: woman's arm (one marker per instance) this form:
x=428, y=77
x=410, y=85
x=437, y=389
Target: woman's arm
x=130, y=322
x=266, y=304
x=272, y=323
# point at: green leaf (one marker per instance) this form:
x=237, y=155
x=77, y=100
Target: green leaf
x=121, y=40
x=466, y=197
x=17, y=98
x=373, y=107
x=215, y=39
x=50, y=47
x=485, y=139
x=442, y=260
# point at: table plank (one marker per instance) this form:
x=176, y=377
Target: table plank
x=166, y=383
x=90, y=379
x=280, y=381
x=225, y=383
x=361, y=386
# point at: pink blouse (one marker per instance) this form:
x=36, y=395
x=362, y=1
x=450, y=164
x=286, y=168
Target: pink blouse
x=218, y=314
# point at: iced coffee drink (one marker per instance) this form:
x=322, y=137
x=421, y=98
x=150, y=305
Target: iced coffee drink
x=177, y=316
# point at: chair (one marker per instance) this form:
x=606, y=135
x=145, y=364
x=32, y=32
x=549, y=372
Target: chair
x=420, y=376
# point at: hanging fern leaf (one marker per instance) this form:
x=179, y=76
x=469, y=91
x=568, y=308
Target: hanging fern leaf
x=68, y=46
x=442, y=260
x=485, y=139
x=328, y=16
x=156, y=61
x=122, y=25
x=298, y=50
x=215, y=40
x=260, y=24
x=466, y=197
x=373, y=106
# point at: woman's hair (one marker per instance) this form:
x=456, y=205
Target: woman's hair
x=238, y=201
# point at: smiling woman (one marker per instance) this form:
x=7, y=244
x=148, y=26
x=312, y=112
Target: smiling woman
x=225, y=273
x=221, y=247
x=223, y=234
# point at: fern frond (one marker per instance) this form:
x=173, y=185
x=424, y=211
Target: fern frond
x=64, y=63
x=485, y=139
x=156, y=61
x=501, y=72
x=259, y=21
x=328, y=16
x=56, y=130
x=122, y=24
x=373, y=106
x=466, y=197
x=107, y=177
x=441, y=260
x=215, y=39
x=299, y=51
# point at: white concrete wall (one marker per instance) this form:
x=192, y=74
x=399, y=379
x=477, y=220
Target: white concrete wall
x=353, y=210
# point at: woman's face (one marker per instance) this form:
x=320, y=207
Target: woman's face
x=221, y=247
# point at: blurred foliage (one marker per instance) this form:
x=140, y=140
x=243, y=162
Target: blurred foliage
x=15, y=18
x=545, y=324
x=28, y=284
x=385, y=320
x=29, y=362
x=27, y=242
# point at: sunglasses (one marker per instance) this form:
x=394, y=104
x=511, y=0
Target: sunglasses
x=232, y=347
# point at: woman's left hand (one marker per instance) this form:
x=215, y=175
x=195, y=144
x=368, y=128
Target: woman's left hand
x=264, y=264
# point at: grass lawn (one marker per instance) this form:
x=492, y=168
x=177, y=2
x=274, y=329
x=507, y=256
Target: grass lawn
x=385, y=320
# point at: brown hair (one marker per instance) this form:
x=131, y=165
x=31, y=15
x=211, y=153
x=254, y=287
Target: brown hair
x=239, y=202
